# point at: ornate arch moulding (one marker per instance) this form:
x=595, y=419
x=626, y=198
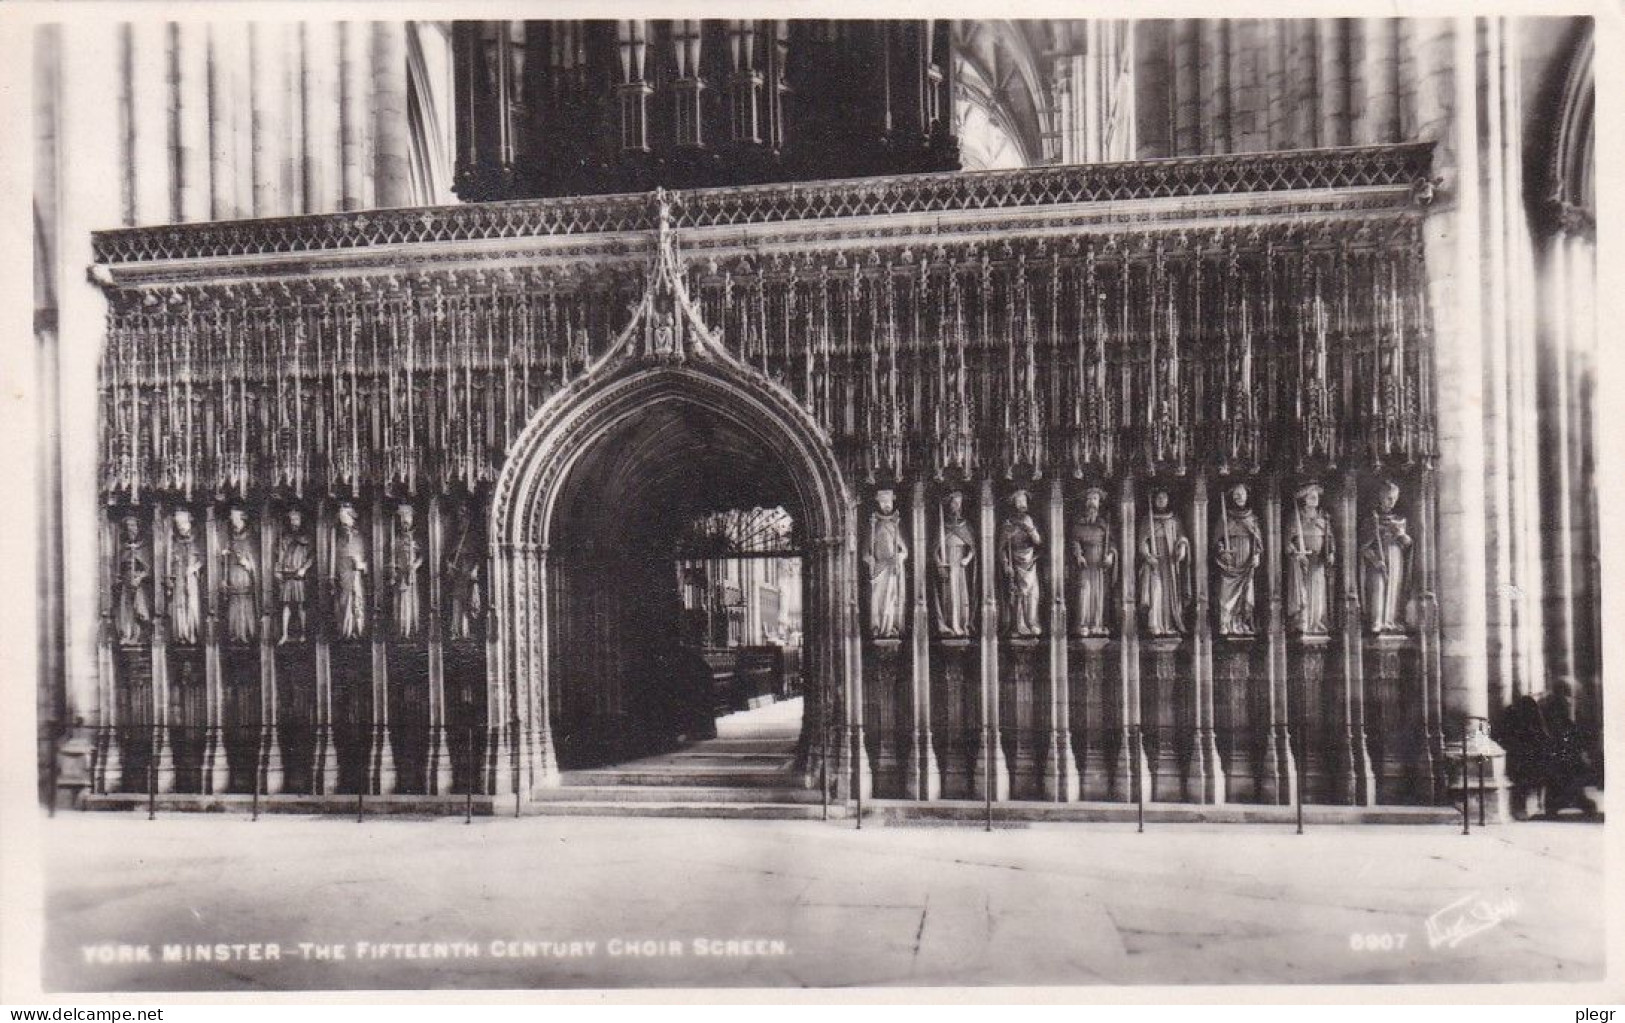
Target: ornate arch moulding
x=1254, y=187
x=1568, y=176
x=666, y=353
x=655, y=357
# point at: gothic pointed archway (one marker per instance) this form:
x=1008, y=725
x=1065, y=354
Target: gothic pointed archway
x=667, y=395
x=625, y=434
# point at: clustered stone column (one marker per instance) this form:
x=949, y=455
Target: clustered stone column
x=262, y=119
x=1567, y=375
x=1268, y=84
x=1563, y=375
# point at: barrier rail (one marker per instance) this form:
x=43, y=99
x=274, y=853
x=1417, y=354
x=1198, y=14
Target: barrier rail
x=1147, y=765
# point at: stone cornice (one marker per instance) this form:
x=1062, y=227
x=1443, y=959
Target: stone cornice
x=891, y=209
x=1144, y=219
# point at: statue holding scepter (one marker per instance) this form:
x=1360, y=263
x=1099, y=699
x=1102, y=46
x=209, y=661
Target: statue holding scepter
x=1019, y=541
x=1164, y=554
x=1311, y=551
x=885, y=554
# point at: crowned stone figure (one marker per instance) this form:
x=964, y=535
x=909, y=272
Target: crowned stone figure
x=184, y=583
x=408, y=559
x=463, y=583
x=1094, y=560
x=1311, y=551
x=1019, y=541
x=1164, y=569
x=885, y=555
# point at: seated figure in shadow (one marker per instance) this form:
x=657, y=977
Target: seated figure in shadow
x=1569, y=764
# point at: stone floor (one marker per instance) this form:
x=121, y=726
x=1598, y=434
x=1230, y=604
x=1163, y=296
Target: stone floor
x=752, y=748
x=560, y=902
x=778, y=720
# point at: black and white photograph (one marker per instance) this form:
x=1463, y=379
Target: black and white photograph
x=830, y=502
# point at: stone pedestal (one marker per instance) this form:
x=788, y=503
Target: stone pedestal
x=327, y=761
x=438, y=771
x=216, y=766
x=75, y=760
x=163, y=762
x=383, y=761
x=1476, y=767
x=272, y=778
x=1000, y=769
x=1061, y=781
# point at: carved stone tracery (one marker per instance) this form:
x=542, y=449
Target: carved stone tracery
x=966, y=350
x=1026, y=357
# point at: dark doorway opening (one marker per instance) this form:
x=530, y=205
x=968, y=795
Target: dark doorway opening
x=676, y=618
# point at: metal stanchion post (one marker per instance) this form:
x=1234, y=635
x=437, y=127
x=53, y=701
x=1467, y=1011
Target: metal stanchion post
x=823, y=770
x=1466, y=794
x=361, y=793
x=152, y=777
x=1481, y=791
x=987, y=776
x=468, y=778
x=52, y=776
x=256, y=785
x=857, y=774
x=1297, y=764
x=1139, y=779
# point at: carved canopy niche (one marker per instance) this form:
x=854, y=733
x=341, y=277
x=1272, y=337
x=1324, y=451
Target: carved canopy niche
x=1236, y=312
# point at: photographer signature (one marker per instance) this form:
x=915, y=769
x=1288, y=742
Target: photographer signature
x=1471, y=914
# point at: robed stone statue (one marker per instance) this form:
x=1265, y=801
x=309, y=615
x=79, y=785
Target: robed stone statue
x=885, y=554
x=1094, y=566
x=1238, y=550
x=956, y=549
x=132, y=606
x=293, y=560
x=1019, y=541
x=1385, y=565
x=184, y=581
x=408, y=559
x=463, y=583
x=240, y=576
x=1164, y=576
x=349, y=576
x=1311, y=551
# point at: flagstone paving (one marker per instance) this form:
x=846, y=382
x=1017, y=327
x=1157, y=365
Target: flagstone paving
x=626, y=902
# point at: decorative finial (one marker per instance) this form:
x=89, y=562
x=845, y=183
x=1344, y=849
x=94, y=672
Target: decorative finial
x=663, y=211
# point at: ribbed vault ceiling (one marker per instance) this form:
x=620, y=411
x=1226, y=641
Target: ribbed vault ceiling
x=636, y=487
